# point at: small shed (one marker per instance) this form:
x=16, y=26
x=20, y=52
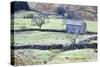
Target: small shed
x=75, y=26
x=75, y=23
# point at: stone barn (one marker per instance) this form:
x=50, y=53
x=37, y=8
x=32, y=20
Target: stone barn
x=76, y=26
x=75, y=23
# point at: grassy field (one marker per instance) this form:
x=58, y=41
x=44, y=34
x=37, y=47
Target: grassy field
x=35, y=56
x=92, y=26
x=47, y=37
x=28, y=23
x=53, y=24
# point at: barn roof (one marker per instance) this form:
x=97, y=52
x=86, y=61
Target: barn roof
x=74, y=22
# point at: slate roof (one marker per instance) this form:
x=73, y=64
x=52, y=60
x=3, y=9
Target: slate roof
x=74, y=22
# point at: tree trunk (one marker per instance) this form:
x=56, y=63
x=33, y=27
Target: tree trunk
x=39, y=27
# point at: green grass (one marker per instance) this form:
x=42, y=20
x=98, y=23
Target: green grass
x=75, y=56
x=34, y=56
x=46, y=37
x=28, y=23
x=53, y=24
x=92, y=26
x=22, y=23
x=30, y=56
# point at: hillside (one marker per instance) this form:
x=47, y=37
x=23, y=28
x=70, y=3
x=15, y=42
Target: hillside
x=87, y=12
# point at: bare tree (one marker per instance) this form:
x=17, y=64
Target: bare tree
x=40, y=19
x=74, y=37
